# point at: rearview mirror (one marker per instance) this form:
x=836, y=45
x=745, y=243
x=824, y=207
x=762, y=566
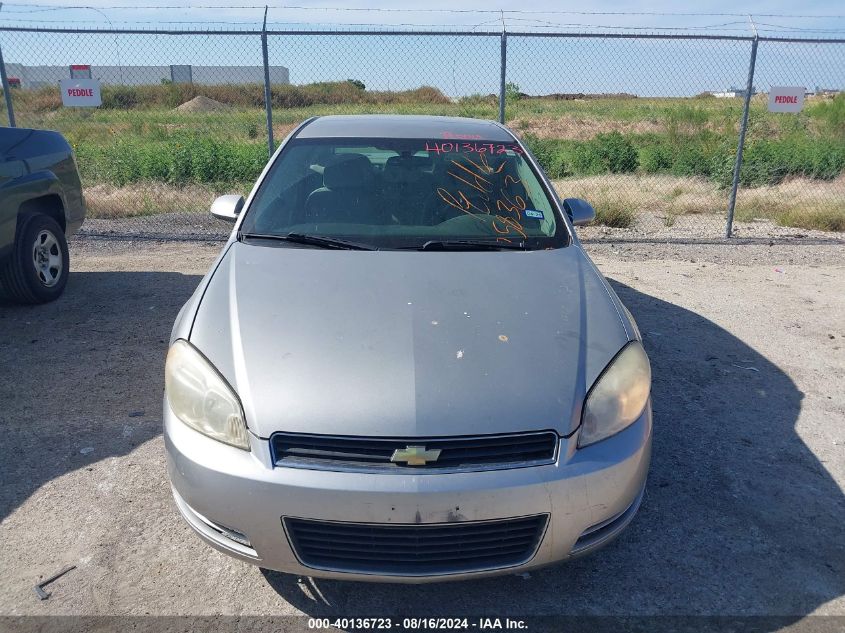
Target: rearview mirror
x=227, y=208
x=579, y=211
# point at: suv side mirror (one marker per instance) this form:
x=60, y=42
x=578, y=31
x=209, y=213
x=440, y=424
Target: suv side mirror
x=227, y=208
x=579, y=211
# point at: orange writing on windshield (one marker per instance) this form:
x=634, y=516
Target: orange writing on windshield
x=477, y=181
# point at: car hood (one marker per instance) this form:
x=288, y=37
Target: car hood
x=407, y=344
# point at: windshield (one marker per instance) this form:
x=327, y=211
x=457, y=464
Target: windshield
x=406, y=193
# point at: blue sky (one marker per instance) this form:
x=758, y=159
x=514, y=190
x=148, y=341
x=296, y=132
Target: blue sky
x=538, y=14
x=455, y=64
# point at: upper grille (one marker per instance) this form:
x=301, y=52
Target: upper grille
x=485, y=452
x=414, y=550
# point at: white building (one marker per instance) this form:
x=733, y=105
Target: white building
x=40, y=76
x=733, y=93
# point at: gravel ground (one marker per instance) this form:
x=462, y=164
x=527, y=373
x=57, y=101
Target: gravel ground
x=743, y=511
x=649, y=226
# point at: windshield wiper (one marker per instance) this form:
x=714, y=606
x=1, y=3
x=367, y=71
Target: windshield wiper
x=312, y=240
x=470, y=245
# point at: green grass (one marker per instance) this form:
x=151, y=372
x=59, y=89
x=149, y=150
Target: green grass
x=182, y=159
x=138, y=136
x=821, y=219
x=811, y=212
x=614, y=214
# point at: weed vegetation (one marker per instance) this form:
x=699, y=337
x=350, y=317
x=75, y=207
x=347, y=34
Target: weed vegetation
x=139, y=139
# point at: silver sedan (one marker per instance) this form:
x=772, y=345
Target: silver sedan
x=403, y=366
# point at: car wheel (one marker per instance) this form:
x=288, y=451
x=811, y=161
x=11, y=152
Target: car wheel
x=38, y=269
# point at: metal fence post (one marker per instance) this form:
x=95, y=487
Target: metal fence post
x=502, y=75
x=268, y=97
x=7, y=93
x=749, y=87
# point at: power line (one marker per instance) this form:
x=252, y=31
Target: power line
x=777, y=28
x=37, y=8
x=531, y=24
x=545, y=24
x=244, y=23
x=549, y=25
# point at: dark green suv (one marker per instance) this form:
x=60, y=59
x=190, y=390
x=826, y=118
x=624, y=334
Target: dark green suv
x=40, y=204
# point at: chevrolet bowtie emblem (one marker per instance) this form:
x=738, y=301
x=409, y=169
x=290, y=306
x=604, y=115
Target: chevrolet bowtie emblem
x=415, y=455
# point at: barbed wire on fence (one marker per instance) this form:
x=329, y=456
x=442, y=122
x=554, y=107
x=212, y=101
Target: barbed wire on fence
x=38, y=7
x=538, y=19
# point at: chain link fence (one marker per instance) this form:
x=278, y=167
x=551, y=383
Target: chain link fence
x=633, y=128
x=793, y=171
x=161, y=146
x=646, y=128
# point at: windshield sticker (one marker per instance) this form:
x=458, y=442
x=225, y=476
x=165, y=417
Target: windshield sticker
x=531, y=213
x=440, y=147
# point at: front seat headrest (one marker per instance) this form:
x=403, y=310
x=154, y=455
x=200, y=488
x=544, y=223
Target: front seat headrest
x=350, y=170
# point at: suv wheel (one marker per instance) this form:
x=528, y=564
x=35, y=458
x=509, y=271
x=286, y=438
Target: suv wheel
x=38, y=268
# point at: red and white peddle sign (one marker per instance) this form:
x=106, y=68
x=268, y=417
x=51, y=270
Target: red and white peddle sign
x=80, y=92
x=786, y=98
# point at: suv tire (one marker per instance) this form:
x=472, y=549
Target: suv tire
x=38, y=268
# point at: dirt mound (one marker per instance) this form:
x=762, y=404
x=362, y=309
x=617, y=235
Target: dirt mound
x=201, y=104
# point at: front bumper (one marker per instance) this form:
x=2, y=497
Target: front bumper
x=235, y=500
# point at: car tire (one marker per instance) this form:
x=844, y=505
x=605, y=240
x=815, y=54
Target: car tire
x=37, y=270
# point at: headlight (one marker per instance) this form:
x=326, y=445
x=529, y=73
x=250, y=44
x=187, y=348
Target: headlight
x=201, y=398
x=618, y=397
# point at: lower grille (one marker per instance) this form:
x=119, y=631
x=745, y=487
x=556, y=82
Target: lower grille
x=415, y=550
x=374, y=454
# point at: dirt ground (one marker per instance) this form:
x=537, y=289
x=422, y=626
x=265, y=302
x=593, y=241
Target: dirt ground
x=743, y=511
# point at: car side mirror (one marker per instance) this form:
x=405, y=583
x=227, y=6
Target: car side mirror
x=227, y=208
x=579, y=211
